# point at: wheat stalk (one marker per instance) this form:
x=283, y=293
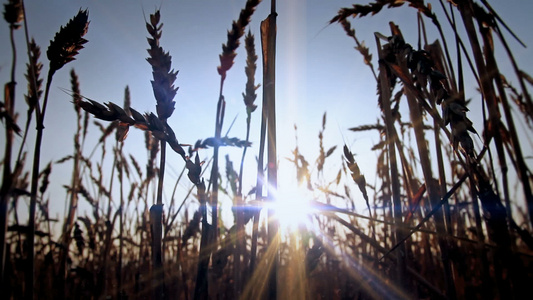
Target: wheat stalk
x=13, y=14
x=360, y=46
x=33, y=76
x=164, y=92
x=63, y=49
x=249, y=98
x=164, y=77
x=148, y=122
x=68, y=41
x=385, y=96
x=226, y=62
x=234, y=35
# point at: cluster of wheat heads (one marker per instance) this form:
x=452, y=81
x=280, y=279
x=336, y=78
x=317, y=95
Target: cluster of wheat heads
x=122, y=235
x=157, y=126
x=467, y=204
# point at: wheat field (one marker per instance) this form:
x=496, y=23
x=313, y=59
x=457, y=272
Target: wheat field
x=147, y=201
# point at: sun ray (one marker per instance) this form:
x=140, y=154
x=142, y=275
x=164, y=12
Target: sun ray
x=361, y=271
x=256, y=286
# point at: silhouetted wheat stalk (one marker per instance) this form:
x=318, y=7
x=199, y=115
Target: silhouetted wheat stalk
x=13, y=14
x=120, y=136
x=268, y=127
x=68, y=224
x=164, y=92
x=249, y=98
x=226, y=62
x=63, y=49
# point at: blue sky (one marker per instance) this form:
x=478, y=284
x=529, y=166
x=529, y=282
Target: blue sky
x=317, y=71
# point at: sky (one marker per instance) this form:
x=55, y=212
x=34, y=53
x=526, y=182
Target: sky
x=318, y=71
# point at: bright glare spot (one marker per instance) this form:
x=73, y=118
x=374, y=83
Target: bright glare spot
x=293, y=208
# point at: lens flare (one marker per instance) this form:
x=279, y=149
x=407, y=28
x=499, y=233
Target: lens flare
x=292, y=208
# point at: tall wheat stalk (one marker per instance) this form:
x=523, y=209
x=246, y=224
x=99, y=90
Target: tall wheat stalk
x=63, y=49
x=164, y=92
x=120, y=136
x=75, y=180
x=226, y=62
x=13, y=14
x=385, y=96
x=431, y=187
x=249, y=97
x=268, y=42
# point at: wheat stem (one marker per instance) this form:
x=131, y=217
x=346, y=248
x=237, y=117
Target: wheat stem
x=7, y=181
x=394, y=176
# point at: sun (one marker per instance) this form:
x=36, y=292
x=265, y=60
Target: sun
x=293, y=208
